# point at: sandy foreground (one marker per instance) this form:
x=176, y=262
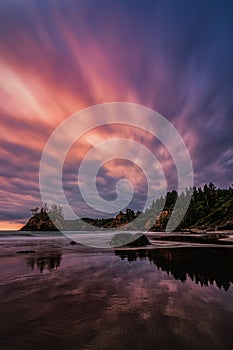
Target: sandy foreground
x=170, y=295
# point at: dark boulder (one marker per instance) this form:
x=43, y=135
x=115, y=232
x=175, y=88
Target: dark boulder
x=25, y=252
x=73, y=243
x=129, y=240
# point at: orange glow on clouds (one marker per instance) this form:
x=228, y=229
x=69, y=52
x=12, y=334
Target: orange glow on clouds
x=9, y=226
x=57, y=59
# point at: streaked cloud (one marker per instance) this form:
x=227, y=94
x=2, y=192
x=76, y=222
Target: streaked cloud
x=58, y=57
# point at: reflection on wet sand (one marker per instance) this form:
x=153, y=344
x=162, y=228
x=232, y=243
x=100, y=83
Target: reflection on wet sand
x=49, y=263
x=202, y=265
x=95, y=300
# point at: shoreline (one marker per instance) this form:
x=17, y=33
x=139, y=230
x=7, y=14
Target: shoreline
x=31, y=245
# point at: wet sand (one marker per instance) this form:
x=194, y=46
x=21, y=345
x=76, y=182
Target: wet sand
x=75, y=297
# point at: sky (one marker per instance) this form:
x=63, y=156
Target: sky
x=59, y=57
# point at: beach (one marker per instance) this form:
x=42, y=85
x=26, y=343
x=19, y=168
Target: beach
x=167, y=296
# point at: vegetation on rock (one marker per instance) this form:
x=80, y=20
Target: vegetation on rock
x=210, y=208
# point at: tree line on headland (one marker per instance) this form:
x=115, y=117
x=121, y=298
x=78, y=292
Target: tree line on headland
x=210, y=208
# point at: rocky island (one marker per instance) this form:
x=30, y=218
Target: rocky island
x=210, y=209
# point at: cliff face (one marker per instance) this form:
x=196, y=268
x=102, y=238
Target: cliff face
x=221, y=218
x=42, y=222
